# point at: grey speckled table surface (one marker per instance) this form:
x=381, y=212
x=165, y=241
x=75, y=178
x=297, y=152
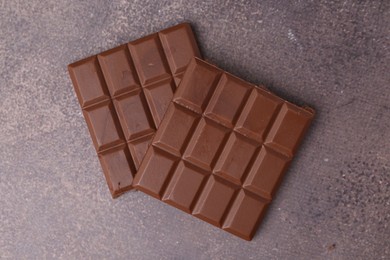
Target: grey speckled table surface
x=334, y=201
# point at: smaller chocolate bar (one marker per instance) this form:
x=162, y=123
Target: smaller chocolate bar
x=222, y=149
x=124, y=93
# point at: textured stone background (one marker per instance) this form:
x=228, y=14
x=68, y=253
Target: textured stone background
x=334, y=201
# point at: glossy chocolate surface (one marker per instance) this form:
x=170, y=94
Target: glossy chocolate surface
x=222, y=149
x=124, y=93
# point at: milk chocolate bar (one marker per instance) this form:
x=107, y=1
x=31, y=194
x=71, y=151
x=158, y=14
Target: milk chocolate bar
x=124, y=93
x=222, y=149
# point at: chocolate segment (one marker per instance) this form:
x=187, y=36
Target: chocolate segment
x=222, y=149
x=124, y=93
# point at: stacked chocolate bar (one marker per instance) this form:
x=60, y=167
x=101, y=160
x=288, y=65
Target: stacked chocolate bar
x=167, y=123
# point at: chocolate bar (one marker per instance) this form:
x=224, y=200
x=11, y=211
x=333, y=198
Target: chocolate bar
x=222, y=149
x=124, y=93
